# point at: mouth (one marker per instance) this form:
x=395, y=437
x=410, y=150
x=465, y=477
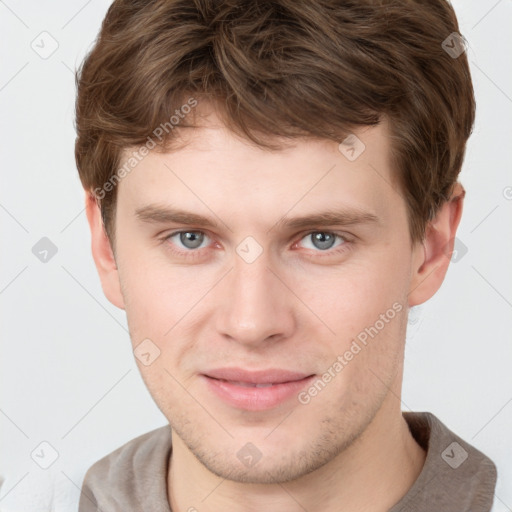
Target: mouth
x=249, y=384
x=255, y=390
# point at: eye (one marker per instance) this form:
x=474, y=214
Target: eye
x=189, y=240
x=323, y=240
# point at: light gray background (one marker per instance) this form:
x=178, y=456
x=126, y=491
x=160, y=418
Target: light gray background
x=68, y=375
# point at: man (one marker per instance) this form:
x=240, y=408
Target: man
x=270, y=187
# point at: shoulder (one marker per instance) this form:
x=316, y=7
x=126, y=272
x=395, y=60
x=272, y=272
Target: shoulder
x=131, y=472
x=456, y=453
x=132, y=453
x=456, y=476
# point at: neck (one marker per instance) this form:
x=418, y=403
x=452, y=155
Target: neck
x=372, y=474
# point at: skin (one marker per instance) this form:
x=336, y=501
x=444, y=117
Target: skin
x=296, y=307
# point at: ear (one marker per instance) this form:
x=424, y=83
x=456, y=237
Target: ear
x=102, y=253
x=432, y=257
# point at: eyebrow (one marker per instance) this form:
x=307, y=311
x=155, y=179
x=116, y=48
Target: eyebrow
x=156, y=214
x=343, y=217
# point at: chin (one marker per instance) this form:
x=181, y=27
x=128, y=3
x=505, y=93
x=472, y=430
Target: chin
x=264, y=474
x=284, y=467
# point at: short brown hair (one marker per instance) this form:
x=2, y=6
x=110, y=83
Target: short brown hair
x=284, y=68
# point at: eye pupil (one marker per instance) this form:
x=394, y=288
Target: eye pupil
x=322, y=240
x=191, y=239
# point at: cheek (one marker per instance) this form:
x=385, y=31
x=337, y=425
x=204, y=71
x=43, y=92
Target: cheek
x=157, y=295
x=352, y=297
x=163, y=310
x=362, y=364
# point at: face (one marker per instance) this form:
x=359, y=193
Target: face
x=258, y=325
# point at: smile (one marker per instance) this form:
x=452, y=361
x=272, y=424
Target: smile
x=255, y=391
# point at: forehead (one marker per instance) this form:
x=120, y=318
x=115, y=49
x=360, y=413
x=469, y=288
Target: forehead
x=214, y=169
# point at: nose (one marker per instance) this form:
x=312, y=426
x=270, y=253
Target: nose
x=255, y=305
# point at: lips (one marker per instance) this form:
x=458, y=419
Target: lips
x=249, y=384
x=255, y=390
x=271, y=376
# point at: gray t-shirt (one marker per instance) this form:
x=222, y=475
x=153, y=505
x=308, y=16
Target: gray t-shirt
x=455, y=477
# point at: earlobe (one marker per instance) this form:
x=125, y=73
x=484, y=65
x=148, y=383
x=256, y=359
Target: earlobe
x=102, y=253
x=432, y=258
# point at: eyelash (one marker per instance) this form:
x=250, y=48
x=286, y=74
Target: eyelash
x=195, y=253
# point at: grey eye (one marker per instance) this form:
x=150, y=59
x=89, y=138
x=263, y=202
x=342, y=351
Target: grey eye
x=191, y=239
x=322, y=240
